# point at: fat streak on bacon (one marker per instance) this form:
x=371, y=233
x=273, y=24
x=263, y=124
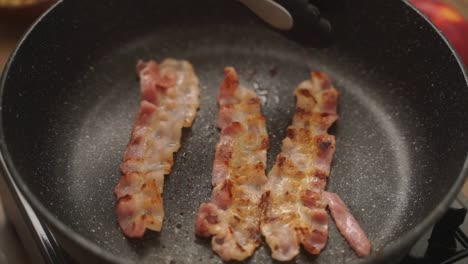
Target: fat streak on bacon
x=169, y=101
x=233, y=214
x=347, y=225
x=293, y=209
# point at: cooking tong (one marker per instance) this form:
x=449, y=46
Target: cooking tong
x=289, y=15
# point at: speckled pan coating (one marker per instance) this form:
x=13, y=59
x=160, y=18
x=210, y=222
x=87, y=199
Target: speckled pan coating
x=70, y=96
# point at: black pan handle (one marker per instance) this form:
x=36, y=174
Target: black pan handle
x=307, y=17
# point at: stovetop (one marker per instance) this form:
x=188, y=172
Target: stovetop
x=447, y=241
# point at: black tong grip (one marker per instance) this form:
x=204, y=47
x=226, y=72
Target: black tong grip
x=307, y=17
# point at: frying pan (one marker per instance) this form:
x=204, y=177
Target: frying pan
x=70, y=96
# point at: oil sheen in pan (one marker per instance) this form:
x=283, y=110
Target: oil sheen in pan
x=104, y=134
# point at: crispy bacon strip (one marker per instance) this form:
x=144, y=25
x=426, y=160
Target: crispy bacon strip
x=293, y=209
x=232, y=216
x=170, y=99
x=348, y=225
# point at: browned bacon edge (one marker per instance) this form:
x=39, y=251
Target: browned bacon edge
x=232, y=215
x=293, y=209
x=170, y=99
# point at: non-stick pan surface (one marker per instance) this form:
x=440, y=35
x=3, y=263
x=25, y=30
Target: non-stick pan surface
x=70, y=97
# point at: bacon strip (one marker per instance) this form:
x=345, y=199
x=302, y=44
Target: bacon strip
x=348, y=225
x=170, y=99
x=232, y=216
x=293, y=209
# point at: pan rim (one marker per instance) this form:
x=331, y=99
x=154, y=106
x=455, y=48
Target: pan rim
x=13, y=176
